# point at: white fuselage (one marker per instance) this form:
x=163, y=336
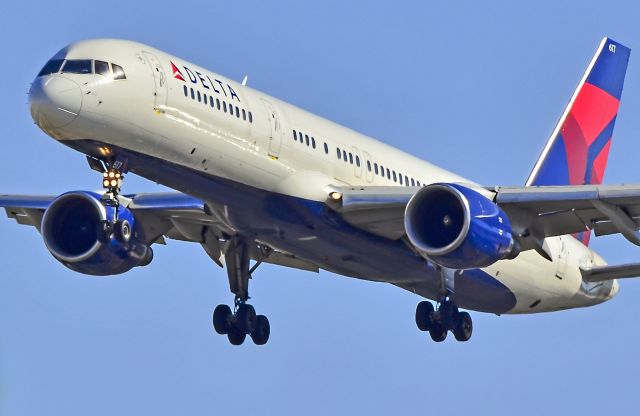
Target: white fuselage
x=155, y=113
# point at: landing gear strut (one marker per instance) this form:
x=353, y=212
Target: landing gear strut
x=243, y=320
x=445, y=318
x=112, y=179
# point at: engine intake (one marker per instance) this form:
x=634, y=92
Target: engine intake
x=457, y=227
x=73, y=231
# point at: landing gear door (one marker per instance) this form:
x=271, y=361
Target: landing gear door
x=159, y=78
x=275, y=133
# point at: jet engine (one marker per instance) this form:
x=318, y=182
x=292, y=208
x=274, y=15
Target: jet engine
x=457, y=227
x=82, y=234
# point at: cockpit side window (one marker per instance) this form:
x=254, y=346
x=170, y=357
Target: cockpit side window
x=51, y=67
x=118, y=72
x=77, y=66
x=101, y=67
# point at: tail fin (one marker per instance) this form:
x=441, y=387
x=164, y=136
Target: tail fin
x=577, y=151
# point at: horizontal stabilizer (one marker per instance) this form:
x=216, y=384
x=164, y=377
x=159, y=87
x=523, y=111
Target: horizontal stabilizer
x=604, y=273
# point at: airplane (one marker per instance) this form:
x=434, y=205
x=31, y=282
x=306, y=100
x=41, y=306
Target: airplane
x=258, y=180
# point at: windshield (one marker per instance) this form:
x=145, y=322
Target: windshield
x=51, y=67
x=77, y=66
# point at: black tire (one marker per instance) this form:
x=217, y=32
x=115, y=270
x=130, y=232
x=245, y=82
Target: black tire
x=448, y=315
x=423, y=315
x=122, y=231
x=261, y=334
x=236, y=337
x=438, y=333
x=246, y=318
x=464, y=329
x=221, y=319
x=104, y=232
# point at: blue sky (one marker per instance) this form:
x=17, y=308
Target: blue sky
x=474, y=88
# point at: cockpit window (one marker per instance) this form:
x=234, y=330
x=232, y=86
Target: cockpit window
x=118, y=72
x=51, y=67
x=77, y=66
x=101, y=67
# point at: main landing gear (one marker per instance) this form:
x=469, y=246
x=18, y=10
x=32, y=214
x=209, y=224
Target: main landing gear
x=243, y=320
x=445, y=318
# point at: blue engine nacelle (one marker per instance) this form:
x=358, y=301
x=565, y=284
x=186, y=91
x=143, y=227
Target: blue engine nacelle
x=457, y=227
x=73, y=231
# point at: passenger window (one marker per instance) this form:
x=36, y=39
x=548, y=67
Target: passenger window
x=218, y=103
x=244, y=114
x=250, y=117
x=205, y=97
x=401, y=179
x=199, y=96
x=300, y=137
x=101, y=67
x=51, y=67
x=351, y=158
x=193, y=94
x=313, y=142
x=388, y=174
x=186, y=90
x=295, y=136
x=344, y=155
x=338, y=152
x=418, y=183
x=406, y=180
x=237, y=112
x=375, y=167
x=394, y=176
x=368, y=166
x=306, y=138
x=77, y=66
x=326, y=149
x=413, y=182
x=357, y=161
x=224, y=106
x=211, y=102
x=230, y=109
x=118, y=72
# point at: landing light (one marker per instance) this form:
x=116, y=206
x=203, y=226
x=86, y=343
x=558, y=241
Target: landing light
x=335, y=195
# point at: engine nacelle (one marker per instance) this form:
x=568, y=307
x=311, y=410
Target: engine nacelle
x=72, y=229
x=457, y=227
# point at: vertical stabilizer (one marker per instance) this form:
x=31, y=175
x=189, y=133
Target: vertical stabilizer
x=577, y=151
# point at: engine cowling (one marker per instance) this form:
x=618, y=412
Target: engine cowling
x=457, y=227
x=72, y=230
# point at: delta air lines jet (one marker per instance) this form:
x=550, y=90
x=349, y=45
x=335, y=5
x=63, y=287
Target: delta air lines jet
x=261, y=181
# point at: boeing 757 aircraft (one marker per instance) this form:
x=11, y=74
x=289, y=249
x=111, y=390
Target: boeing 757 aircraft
x=262, y=181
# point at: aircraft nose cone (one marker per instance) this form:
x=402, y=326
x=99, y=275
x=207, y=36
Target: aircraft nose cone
x=55, y=101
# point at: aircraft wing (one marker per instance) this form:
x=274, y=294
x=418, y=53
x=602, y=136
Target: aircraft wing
x=163, y=215
x=534, y=212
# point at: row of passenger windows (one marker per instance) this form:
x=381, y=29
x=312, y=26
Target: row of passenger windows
x=377, y=169
x=83, y=66
x=216, y=103
x=350, y=158
x=309, y=140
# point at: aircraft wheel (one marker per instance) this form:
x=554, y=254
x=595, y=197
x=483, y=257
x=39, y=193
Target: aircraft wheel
x=221, y=319
x=260, y=335
x=464, y=328
x=438, y=333
x=236, y=337
x=424, y=311
x=448, y=315
x=122, y=231
x=246, y=319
